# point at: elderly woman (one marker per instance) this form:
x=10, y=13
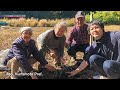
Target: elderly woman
x=53, y=41
x=20, y=54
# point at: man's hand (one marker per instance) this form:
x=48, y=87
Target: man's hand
x=72, y=73
x=49, y=67
x=66, y=45
x=81, y=67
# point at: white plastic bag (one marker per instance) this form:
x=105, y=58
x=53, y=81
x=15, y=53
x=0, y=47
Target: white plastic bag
x=3, y=54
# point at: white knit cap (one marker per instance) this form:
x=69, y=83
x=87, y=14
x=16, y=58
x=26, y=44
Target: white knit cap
x=25, y=29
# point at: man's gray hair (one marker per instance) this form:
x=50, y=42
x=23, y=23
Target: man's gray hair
x=60, y=24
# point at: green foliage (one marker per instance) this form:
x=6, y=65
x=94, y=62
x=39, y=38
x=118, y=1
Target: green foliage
x=108, y=17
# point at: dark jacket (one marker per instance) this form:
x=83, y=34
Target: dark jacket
x=22, y=52
x=108, y=46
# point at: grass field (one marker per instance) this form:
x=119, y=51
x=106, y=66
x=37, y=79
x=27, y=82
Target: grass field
x=8, y=35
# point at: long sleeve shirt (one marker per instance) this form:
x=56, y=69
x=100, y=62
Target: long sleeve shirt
x=108, y=46
x=78, y=35
x=50, y=41
x=23, y=51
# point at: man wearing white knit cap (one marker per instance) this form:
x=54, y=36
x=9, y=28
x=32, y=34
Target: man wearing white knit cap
x=25, y=29
x=20, y=54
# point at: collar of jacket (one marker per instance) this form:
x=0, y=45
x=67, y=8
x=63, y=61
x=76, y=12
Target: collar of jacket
x=55, y=35
x=102, y=39
x=23, y=42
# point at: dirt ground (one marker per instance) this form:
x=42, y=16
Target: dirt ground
x=58, y=74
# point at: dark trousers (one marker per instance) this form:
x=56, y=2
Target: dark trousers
x=108, y=68
x=73, y=49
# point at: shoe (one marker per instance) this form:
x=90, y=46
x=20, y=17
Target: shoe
x=97, y=77
x=100, y=77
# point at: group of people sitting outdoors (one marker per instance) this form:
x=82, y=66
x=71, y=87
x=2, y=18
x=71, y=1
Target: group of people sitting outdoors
x=103, y=55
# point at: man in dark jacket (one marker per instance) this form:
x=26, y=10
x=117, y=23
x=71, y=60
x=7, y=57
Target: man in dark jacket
x=104, y=54
x=20, y=54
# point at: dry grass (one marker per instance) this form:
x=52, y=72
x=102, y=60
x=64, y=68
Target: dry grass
x=8, y=35
x=112, y=28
